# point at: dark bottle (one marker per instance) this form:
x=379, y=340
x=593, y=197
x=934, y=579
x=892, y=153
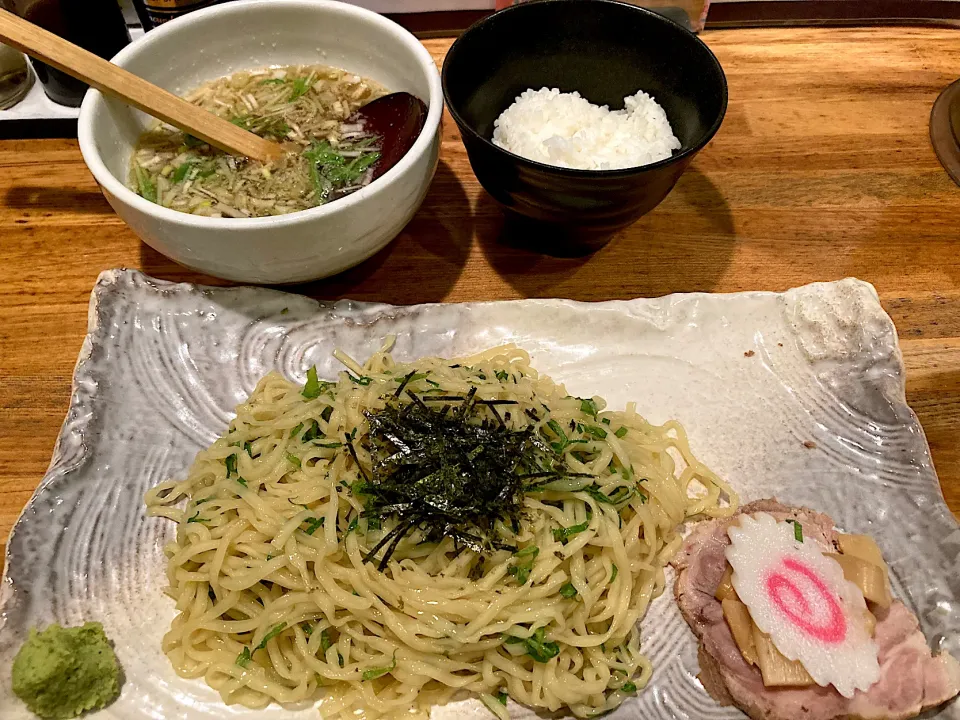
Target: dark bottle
x=95, y=25
x=157, y=12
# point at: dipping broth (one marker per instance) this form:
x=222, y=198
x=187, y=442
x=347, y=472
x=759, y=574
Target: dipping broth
x=304, y=107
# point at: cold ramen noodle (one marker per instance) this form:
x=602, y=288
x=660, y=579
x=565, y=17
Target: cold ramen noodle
x=306, y=108
x=416, y=532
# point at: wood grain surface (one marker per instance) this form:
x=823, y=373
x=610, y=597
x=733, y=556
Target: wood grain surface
x=823, y=169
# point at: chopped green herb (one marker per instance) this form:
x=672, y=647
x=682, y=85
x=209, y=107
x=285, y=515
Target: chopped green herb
x=145, y=185
x=614, y=573
x=520, y=572
x=296, y=430
x=563, y=534
x=313, y=387
x=502, y=697
x=273, y=81
x=629, y=687
x=180, y=174
x=797, y=529
x=568, y=591
x=362, y=380
x=329, y=445
x=560, y=445
x=300, y=87
x=274, y=631
x=330, y=170
x=605, y=421
x=243, y=659
x=620, y=495
x=621, y=432
x=307, y=628
x=374, y=673
x=313, y=524
x=325, y=641
x=248, y=448
x=353, y=525
x=285, y=311
x=196, y=518
x=540, y=650
x=598, y=433
x=502, y=375
x=524, y=565
x=588, y=406
x=231, y=462
x=312, y=433
x=373, y=523
x=242, y=481
x=294, y=460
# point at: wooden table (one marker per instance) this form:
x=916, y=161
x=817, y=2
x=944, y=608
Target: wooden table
x=823, y=169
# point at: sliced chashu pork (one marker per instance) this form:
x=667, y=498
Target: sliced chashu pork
x=912, y=679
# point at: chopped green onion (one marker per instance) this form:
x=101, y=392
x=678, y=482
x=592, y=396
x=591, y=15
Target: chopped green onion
x=242, y=481
x=296, y=430
x=614, y=573
x=294, y=460
x=231, y=462
x=374, y=673
x=274, y=631
x=621, y=432
x=300, y=87
x=243, y=659
x=313, y=524
x=145, y=185
x=588, y=406
x=598, y=433
x=562, y=534
x=568, y=591
x=180, y=174
x=313, y=387
x=540, y=650
x=629, y=687
x=797, y=530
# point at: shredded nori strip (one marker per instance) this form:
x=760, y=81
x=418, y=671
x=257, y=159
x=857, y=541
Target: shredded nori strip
x=449, y=474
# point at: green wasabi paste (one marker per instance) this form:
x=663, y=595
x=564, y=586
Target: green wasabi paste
x=63, y=672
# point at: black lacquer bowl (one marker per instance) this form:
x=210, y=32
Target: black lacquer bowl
x=606, y=51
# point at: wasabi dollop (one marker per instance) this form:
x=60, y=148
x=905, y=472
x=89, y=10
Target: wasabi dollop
x=63, y=672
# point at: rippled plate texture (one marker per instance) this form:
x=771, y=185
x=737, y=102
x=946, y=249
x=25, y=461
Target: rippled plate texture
x=796, y=395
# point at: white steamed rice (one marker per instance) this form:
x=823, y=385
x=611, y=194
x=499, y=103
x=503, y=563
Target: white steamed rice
x=566, y=130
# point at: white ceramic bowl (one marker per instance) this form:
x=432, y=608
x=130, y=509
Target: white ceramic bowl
x=246, y=34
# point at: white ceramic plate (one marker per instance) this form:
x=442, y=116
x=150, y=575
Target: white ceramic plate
x=752, y=376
